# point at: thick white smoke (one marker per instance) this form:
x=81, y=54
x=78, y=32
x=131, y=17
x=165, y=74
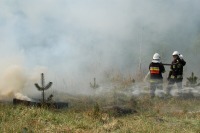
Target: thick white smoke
x=12, y=81
x=76, y=41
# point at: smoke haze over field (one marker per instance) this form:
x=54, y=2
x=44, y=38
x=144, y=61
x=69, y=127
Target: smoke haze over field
x=74, y=41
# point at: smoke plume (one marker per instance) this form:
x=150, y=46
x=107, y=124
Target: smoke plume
x=74, y=41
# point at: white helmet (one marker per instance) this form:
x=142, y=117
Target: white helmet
x=156, y=56
x=176, y=53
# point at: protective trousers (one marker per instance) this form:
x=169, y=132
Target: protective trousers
x=171, y=82
x=155, y=84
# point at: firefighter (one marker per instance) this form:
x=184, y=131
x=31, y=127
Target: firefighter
x=156, y=69
x=176, y=72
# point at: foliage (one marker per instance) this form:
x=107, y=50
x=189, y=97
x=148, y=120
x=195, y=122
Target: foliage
x=192, y=81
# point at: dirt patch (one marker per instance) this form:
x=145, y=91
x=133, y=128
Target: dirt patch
x=118, y=110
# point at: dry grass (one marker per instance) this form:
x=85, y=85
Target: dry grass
x=156, y=115
x=86, y=114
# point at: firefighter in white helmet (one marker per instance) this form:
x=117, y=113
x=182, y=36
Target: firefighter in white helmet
x=176, y=72
x=156, y=69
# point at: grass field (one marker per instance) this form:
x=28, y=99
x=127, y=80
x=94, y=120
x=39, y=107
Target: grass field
x=87, y=115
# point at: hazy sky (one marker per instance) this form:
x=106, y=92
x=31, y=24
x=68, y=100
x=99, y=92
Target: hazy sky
x=80, y=39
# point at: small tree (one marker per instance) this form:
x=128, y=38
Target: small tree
x=94, y=85
x=43, y=87
x=192, y=81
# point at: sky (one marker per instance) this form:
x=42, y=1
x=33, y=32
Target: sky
x=73, y=41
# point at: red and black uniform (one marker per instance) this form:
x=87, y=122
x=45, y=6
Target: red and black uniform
x=156, y=70
x=176, y=74
x=156, y=79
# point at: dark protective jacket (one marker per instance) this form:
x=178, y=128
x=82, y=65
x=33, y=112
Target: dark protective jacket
x=177, y=68
x=182, y=61
x=156, y=70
